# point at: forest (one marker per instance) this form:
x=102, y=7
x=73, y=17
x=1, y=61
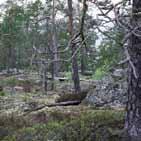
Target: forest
x=70, y=70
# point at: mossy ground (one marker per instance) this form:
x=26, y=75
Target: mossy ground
x=71, y=123
x=63, y=124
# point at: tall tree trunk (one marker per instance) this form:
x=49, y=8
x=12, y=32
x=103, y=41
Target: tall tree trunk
x=44, y=76
x=83, y=49
x=54, y=43
x=75, y=74
x=9, y=56
x=133, y=119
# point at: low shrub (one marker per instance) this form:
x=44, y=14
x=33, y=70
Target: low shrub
x=94, y=125
x=2, y=93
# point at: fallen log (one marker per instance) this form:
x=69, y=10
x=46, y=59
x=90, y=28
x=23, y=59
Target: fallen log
x=67, y=103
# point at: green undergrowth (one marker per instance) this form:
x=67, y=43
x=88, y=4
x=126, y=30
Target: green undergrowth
x=90, y=125
x=2, y=93
x=99, y=73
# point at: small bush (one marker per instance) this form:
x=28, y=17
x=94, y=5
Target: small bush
x=2, y=93
x=99, y=74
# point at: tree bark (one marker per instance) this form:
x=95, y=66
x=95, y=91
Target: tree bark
x=45, y=78
x=133, y=118
x=75, y=74
x=54, y=43
x=83, y=49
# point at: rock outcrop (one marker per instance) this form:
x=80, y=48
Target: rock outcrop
x=109, y=92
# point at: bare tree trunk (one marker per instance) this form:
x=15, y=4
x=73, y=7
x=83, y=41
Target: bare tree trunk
x=44, y=77
x=83, y=49
x=9, y=59
x=52, y=75
x=133, y=118
x=75, y=74
x=54, y=42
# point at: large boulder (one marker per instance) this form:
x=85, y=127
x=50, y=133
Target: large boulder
x=119, y=74
x=3, y=133
x=107, y=93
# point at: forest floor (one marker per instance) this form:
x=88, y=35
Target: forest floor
x=26, y=116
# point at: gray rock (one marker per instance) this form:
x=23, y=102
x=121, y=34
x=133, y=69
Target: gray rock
x=3, y=132
x=119, y=73
x=107, y=93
